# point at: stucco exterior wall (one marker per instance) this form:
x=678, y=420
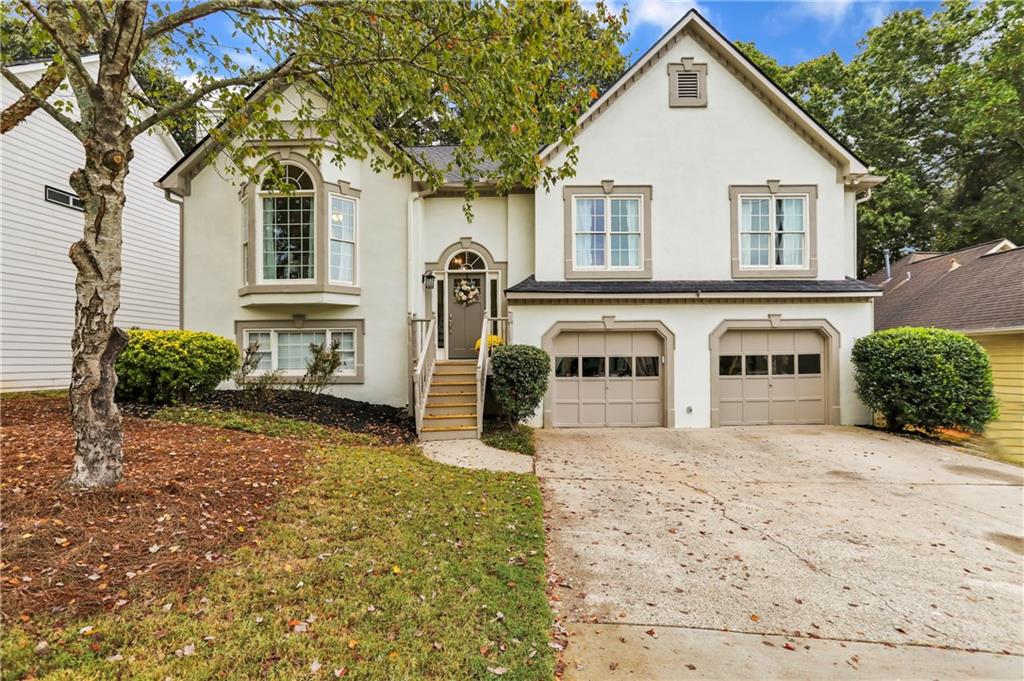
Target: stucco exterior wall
x=444, y=223
x=690, y=156
x=212, y=273
x=692, y=324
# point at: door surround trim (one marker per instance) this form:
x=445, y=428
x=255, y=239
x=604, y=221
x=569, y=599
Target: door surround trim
x=440, y=270
x=833, y=414
x=610, y=323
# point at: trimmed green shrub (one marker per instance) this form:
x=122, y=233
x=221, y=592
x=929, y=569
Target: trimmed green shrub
x=520, y=379
x=927, y=378
x=170, y=367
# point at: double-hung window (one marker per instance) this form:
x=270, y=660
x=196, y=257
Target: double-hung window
x=342, y=239
x=608, y=232
x=288, y=226
x=289, y=350
x=773, y=231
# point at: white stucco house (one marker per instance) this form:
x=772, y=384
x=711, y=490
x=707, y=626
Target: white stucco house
x=699, y=269
x=40, y=217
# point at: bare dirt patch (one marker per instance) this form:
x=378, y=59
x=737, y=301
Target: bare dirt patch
x=191, y=495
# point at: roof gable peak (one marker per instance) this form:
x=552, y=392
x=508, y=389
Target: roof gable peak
x=693, y=23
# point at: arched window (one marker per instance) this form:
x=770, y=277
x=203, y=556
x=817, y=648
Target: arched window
x=289, y=235
x=466, y=260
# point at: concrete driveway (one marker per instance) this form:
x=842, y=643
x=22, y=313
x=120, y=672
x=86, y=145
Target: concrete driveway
x=782, y=552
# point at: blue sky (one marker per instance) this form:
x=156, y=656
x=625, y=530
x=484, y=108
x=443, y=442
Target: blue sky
x=789, y=31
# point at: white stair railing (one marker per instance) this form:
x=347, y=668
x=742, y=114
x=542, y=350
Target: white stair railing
x=496, y=326
x=423, y=371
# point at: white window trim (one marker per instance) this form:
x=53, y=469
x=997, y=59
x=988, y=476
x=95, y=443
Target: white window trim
x=772, y=231
x=355, y=238
x=608, y=267
x=301, y=372
x=258, y=210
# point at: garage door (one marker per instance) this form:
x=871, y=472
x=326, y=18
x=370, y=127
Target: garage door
x=771, y=377
x=608, y=379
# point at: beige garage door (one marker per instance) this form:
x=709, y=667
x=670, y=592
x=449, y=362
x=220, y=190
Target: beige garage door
x=608, y=379
x=771, y=377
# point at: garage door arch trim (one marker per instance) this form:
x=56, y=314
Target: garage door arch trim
x=609, y=323
x=831, y=336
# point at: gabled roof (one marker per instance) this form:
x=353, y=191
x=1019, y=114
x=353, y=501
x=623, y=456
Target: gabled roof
x=855, y=172
x=979, y=288
x=692, y=23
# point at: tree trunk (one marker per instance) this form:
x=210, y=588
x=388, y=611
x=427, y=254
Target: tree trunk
x=96, y=342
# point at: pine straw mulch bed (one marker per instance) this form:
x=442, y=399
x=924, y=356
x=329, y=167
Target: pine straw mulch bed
x=392, y=425
x=191, y=495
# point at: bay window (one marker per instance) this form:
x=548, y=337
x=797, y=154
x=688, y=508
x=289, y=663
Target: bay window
x=342, y=239
x=289, y=232
x=299, y=233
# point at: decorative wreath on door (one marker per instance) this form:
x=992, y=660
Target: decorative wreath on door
x=466, y=292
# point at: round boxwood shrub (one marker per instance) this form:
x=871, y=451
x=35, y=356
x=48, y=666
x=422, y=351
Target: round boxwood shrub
x=927, y=378
x=520, y=379
x=170, y=367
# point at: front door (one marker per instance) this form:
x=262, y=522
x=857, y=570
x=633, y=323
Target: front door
x=464, y=317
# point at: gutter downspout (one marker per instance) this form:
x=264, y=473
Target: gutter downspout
x=180, y=203
x=412, y=269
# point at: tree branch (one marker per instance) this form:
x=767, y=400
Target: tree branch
x=258, y=78
x=86, y=13
x=72, y=53
x=190, y=14
x=39, y=101
x=28, y=103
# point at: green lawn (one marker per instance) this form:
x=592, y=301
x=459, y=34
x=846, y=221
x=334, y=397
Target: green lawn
x=519, y=439
x=387, y=566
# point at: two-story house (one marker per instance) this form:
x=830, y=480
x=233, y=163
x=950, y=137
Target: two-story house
x=698, y=270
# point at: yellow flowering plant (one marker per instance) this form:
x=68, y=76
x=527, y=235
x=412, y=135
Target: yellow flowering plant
x=492, y=342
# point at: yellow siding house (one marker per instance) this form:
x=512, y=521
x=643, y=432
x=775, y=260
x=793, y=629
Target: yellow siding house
x=980, y=292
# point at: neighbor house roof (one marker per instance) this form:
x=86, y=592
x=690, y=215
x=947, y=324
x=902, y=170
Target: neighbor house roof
x=980, y=288
x=530, y=287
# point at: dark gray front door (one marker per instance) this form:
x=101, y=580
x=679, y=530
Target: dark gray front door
x=464, y=321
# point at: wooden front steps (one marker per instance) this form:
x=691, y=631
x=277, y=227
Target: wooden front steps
x=450, y=412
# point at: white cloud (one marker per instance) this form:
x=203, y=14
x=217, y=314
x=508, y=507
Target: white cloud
x=662, y=14
x=829, y=12
x=834, y=15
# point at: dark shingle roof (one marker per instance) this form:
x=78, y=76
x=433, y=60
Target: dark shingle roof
x=441, y=156
x=531, y=285
x=985, y=290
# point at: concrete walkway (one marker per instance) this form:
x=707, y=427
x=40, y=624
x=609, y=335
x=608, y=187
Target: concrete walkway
x=782, y=552
x=475, y=454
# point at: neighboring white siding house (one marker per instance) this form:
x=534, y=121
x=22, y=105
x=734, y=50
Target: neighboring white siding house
x=698, y=270
x=38, y=280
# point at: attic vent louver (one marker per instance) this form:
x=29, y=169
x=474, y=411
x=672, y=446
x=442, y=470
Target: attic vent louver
x=687, y=84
